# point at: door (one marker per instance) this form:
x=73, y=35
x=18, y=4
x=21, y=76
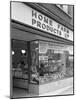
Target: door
x=20, y=70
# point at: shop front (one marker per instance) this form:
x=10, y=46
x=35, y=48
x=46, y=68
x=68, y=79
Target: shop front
x=42, y=51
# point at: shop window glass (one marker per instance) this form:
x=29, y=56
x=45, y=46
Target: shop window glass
x=50, y=61
x=53, y=61
x=61, y=6
x=65, y=8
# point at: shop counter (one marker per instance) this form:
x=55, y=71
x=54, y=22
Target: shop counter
x=20, y=83
x=20, y=80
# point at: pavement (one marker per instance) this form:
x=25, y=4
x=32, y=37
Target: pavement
x=62, y=91
x=69, y=91
x=18, y=93
x=25, y=93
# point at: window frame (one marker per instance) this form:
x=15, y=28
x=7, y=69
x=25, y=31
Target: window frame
x=57, y=5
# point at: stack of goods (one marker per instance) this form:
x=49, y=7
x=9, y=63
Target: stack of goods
x=56, y=76
x=69, y=71
x=41, y=80
x=51, y=77
x=18, y=74
x=34, y=78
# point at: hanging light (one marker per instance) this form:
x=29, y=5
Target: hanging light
x=23, y=51
x=36, y=42
x=13, y=52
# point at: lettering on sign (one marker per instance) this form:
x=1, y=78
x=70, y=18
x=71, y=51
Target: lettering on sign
x=42, y=22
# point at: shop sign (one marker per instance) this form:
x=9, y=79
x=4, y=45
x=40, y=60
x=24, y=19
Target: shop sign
x=29, y=16
x=49, y=25
x=43, y=49
x=45, y=58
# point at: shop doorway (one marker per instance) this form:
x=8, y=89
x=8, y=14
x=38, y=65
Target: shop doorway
x=20, y=66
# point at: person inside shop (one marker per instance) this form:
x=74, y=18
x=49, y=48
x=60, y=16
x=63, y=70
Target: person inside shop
x=41, y=69
x=22, y=66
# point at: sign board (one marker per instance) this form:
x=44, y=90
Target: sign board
x=29, y=16
x=43, y=47
x=45, y=58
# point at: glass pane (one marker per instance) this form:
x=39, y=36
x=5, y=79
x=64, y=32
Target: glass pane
x=55, y=61
x=65, y=8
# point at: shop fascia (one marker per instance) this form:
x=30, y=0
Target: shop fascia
x=45, y=23
x=32, y=17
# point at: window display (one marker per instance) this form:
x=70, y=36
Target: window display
x=50, y=61
x=55, y=65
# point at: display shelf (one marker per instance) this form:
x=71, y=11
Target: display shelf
x=20, y=83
